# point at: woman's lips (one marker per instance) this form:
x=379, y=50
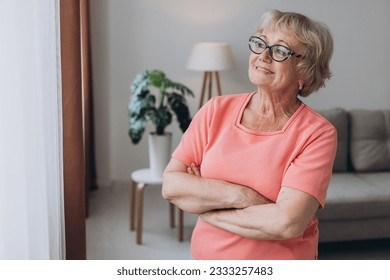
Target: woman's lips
x=265, y=70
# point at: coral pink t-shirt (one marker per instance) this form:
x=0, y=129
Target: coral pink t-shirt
x=299, y=156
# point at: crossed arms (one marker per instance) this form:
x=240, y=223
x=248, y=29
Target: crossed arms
x=238, y=209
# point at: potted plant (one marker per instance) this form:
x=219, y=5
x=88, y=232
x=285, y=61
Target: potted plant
x=155, y=98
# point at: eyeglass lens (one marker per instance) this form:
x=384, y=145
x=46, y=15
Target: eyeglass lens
x=277, y=52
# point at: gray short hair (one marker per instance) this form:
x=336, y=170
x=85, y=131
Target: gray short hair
x=318, y=42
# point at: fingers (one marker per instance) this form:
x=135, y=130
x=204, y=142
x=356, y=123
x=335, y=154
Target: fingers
x=189, y=171
x=193, y=170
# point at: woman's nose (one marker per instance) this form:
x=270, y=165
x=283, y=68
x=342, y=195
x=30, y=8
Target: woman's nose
x=266, y=55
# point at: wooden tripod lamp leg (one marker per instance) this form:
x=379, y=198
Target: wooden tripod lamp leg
x=205, y=77
x=210, y=85
x=218, y=83
x=208, y=81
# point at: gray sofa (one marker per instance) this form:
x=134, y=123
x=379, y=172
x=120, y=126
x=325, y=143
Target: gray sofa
x=358, y=199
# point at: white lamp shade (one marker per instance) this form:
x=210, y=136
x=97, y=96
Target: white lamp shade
x=213, y=56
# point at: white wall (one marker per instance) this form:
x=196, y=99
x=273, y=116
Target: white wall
x=131, y=36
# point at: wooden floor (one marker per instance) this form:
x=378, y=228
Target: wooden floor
x=109, y=237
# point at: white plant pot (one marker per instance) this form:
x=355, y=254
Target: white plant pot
x=159, y=153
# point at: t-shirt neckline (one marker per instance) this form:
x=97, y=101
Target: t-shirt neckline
x=254, y=132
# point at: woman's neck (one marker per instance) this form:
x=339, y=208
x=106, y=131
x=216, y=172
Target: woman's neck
x=274, y=106
x=267, y=112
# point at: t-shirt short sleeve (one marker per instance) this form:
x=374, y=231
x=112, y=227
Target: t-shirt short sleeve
x=311, y=170
x=194, y=140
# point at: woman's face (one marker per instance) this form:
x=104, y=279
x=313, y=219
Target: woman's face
x=271, y=75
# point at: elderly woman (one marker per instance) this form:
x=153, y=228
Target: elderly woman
x=256, y=166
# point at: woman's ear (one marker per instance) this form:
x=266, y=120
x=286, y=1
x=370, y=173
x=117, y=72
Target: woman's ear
x=300, y=84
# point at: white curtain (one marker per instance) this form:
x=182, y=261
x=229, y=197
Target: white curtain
x=31, y=179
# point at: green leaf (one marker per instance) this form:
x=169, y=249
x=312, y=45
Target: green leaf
x=140, y=84
x=143, y=106
x=161, y=118
x=139, y=106
x=179, y=106
x=157, y=78
x=136, y=129
x=182, y=88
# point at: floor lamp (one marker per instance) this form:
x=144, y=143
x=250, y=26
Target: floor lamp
x=210, y=58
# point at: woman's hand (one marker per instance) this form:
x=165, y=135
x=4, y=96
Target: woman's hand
x=193, y=170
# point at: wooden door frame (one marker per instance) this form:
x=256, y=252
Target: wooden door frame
x=73, y=142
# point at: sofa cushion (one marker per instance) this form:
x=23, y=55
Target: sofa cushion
x=380, y=179
x=351, y=196
x=370, y=140
x=339, y=119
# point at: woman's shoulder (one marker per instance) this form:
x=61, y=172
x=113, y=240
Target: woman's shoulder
x=315, y=120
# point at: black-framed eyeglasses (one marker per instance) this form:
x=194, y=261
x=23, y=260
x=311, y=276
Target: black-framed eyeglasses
x=278, y=53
